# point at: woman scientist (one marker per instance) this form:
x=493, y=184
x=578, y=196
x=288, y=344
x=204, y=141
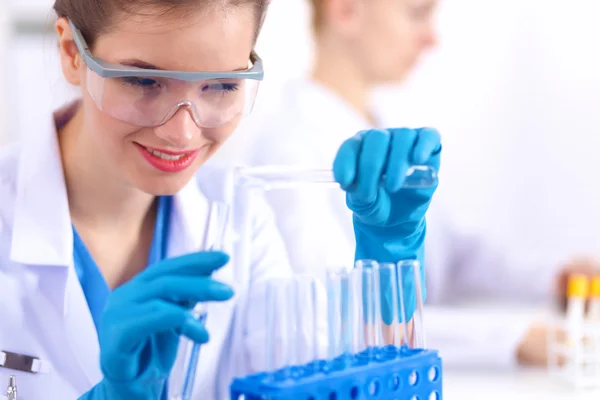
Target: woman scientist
x=359, y=45
x=101, y=213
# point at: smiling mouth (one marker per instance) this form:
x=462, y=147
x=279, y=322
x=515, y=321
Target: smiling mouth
x=168, y=161
x=165, y=156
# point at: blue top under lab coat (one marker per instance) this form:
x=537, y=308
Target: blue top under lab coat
x=94, y=286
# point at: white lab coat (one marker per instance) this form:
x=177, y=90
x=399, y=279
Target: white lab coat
x=43, y=311
x=306, y=129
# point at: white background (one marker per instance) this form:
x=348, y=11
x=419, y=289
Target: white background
x=514, y=87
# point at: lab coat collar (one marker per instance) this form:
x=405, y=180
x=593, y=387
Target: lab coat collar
x=43, y=236
x=40, y=170
x=41, y=204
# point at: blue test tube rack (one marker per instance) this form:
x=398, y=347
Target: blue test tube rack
x=388, y=373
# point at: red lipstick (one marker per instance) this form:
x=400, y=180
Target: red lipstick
x=166, y=160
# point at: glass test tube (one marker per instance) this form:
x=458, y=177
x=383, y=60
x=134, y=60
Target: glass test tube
x=339, y=330
x=367, y=275
x=215, y=233
x=361, y=308
x=292, y=322
x=368, y=307
x=392, y=330
x=282, y=177
x=374, y=305
x=410, y=293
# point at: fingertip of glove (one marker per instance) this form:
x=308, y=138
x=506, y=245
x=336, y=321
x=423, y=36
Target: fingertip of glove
x=221, y=291
x=342, y=176
x=194, y=330
x=216, y=257
x=429, y=130
x=344, y=165
x=380, y=134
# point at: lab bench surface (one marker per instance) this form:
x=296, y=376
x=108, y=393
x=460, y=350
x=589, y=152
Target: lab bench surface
x=513, y=385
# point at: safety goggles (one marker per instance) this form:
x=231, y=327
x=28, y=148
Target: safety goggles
x=150, y=97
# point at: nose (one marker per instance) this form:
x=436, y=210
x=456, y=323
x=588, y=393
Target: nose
x=179, y=131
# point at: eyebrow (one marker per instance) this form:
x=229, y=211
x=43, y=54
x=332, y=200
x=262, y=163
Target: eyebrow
x=138, y=64
x=135, y=63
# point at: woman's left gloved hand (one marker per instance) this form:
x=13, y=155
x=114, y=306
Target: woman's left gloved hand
x=389, y=220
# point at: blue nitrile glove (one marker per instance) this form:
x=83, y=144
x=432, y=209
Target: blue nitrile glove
x=389, y=221
x=143, y=321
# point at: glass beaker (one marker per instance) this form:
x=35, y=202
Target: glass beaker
x=348, y=314
x=317, y=230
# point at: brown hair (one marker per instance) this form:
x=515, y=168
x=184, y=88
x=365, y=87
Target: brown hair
x=317, y=14
x=94, y=17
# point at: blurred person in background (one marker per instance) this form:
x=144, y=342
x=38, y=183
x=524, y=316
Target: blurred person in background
x=359, y=45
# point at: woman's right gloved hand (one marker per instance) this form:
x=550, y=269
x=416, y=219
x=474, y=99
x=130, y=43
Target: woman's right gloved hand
x=144, y=319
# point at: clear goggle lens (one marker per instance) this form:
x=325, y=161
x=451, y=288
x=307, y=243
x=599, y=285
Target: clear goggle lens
x=152, y=101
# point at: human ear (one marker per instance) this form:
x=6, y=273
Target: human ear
x=70, y=58
x=346, y=16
